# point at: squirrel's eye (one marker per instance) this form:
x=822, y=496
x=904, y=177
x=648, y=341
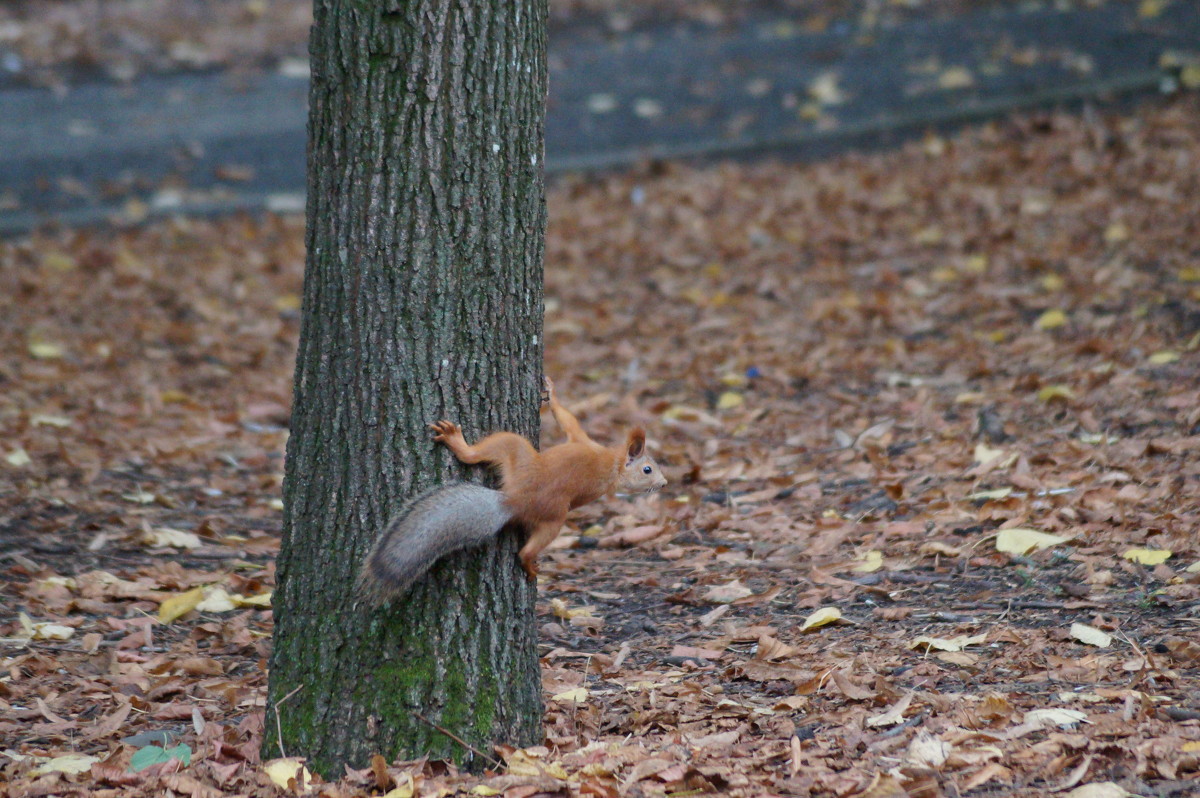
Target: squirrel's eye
x=647, y=470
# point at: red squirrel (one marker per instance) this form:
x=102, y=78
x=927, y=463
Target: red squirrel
x=537, y=489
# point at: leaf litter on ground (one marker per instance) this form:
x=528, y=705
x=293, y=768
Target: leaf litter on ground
x=893, y=431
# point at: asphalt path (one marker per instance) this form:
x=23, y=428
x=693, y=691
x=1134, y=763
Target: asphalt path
x=217, y=142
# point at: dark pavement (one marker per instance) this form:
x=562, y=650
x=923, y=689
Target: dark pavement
x=219, y=142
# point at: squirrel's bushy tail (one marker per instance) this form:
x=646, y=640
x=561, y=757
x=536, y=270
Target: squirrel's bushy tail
x=449, y=517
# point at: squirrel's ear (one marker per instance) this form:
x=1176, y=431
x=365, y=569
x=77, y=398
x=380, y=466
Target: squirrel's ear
x=635, y=445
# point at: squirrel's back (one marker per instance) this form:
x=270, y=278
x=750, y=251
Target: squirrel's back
x=447, y=518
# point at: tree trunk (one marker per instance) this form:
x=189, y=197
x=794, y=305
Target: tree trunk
x=422, y=300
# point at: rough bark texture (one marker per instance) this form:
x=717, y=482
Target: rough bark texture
x=422, y=300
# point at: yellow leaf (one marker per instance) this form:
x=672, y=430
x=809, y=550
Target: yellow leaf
x=174, y=397
x=18, y=458
x=261, y=600
x=1052, y=392
x=927, y=235
x=1021, y=541
x=287, y=302
x=50, y=421
x=43, y=630
x=985, y=455
x=1116, y=233
x=1190, y=274
x=1052, y=282
x=484, y=790
x=282, y=771
x=822, y=617
x=406, y=790
x=1090, y=635
x=976, y=264
x=1148, y=556
x=1189, y=77
x=730, y=400
x=522, y=764
x=871, y=561
x=561, y=610
x=175, y=538
x=45, y=350
x=58, y=261
x=734, y=380
x=956, y=78
x=1190, y=746
x=984, y=495
x=1163, y=358
x=1051, y=319
x=1194, y=568
x=1148, y=9
x=1055, y=716
x=70, y=764
x=179, y=605
x=825, y=89
x=216, y=599
x=577, y=695
x=948, y=644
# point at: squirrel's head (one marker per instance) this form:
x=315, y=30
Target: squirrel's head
x=640, y=473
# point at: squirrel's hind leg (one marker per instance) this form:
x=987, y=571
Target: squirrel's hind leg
x=539, y=538
x=565, y=418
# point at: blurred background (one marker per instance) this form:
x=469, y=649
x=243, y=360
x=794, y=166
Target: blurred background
x=126, y=109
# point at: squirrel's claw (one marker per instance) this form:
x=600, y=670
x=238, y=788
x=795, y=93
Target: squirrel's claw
x=444, y=429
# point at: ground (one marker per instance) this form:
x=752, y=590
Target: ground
x=864, y=378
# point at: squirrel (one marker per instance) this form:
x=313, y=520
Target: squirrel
x=537, y=489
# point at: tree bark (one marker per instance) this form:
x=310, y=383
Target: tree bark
x=422, y=300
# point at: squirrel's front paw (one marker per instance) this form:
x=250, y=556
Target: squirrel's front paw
x=444, y=430
x=548, y=387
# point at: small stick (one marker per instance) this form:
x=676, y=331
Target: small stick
x=278, y=726
x=495, y=762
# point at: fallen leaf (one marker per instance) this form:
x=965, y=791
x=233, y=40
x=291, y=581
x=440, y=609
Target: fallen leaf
x=286, y=771
x=951, y=644
x=727, y=593
x=576, y=695
x=43, y=630
x=1021, y=541
x=984, y=495
x=1090, y=635
x=165, y=536
x=1056, y=392
x=730, y=400
x=179, y=605
x=925, y=750
x=1147, y=556
x=1051, y=319
x=893, y=714
x=1065, y=718
x=871, y=561
x=18, y=458
x=822, y=617
x=157, y=755
x=984, y=454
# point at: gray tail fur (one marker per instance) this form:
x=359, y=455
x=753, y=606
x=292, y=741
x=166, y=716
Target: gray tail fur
x=445, y=519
